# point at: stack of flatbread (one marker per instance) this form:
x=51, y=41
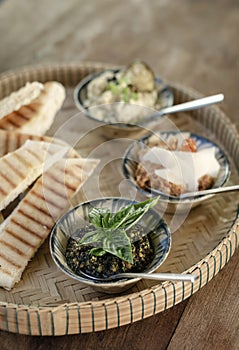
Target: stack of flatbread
x=42, y=173
x=32, y=108
x=55, y=173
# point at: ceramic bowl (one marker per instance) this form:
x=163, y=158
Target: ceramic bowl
x=113, y=130
x=171, y=205
x=68, y=224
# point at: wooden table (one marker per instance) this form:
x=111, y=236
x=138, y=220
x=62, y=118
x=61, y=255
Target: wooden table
x=194, y=43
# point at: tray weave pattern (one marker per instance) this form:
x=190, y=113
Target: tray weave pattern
x=46, y=302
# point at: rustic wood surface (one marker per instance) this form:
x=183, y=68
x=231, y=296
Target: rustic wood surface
x=194, y=43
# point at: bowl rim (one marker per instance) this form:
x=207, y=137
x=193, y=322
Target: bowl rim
x=163, y=196
x=120, y=282
x=80, y=106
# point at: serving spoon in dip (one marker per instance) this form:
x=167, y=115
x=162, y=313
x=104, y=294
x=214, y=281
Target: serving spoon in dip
x=186, y=106
x=152, y=276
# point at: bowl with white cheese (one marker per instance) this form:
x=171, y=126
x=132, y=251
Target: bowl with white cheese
x=172, y=164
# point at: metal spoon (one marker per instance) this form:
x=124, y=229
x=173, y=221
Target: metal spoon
x=195, y=194
x=186, y=106
x=207, y=192
x=152, y=276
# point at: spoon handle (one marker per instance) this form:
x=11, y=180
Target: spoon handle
x=161, y=276
x=210, y=191
x=186, y=106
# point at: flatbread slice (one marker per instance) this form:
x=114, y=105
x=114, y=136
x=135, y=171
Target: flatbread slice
x=20, y=168
x=19, y=98
x=11, y=140
x=37, y=116
x=32, y=220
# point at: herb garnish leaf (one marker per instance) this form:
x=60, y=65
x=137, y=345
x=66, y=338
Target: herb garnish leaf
x=99, y=217
x=97, y=251
x=114, y=241
x=110, y=235
x=126, y=217
x=130, y=215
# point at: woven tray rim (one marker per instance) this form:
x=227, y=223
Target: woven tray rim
x=207, y=268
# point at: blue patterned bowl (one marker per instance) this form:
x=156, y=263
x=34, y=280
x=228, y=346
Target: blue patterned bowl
x=117, y=129
x=77, y=218
x=131, y=160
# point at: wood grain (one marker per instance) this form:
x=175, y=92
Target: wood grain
x=194, y=43
x=210, y=320
x=155, y=332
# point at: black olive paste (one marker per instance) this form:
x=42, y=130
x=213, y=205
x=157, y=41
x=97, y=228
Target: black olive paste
x=79, y=258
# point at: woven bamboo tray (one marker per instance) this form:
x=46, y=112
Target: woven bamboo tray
x=45, y=301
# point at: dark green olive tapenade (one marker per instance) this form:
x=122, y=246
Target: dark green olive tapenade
x=111, y=242
x=79, y=258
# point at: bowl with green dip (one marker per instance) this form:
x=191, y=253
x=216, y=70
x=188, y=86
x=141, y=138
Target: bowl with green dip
x=101, y=238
